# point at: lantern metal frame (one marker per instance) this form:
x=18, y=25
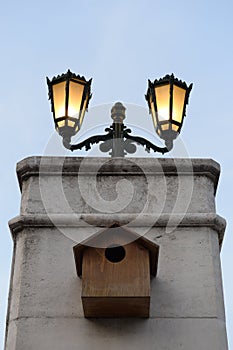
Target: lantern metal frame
x=151, y=98
x=118, y=140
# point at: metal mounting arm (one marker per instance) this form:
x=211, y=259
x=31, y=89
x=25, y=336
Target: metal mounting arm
x=88, y=142
x=118, y=141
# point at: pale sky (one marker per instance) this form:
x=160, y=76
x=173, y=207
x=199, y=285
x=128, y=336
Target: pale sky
x=120, y=44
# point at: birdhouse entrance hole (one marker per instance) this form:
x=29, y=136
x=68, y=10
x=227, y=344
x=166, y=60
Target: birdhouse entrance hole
x=115, y=253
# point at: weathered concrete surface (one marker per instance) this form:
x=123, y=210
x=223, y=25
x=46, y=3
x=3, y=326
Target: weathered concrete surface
x=131, y=334
x=187, y=310
x=156, y=182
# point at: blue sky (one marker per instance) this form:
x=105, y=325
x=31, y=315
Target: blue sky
x=120, y=44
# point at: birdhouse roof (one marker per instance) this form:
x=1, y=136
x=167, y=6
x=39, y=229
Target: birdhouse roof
x=118, y=235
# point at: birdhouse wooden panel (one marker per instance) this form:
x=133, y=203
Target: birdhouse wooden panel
x=115, y=267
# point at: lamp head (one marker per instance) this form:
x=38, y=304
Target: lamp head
x=69, y=94
x=167, y=99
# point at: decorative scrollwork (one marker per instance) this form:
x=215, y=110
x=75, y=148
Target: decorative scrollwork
x=118, y=140
x=125, y=143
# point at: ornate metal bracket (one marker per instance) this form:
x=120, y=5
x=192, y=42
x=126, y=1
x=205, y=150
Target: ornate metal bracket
x=117, y=141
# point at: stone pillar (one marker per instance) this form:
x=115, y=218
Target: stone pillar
x=65, y=200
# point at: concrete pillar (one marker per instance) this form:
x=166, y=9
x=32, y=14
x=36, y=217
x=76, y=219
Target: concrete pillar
x=65, y=200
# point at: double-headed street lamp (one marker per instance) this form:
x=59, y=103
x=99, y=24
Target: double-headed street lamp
x=70, y=95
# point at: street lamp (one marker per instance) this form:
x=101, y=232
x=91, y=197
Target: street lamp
x=167, y=99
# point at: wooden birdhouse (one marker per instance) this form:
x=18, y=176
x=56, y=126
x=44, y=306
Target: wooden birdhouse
x=115, y=265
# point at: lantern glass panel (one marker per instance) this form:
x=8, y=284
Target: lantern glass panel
x=75, y=99
x=165, y=126
x=162, y=94
x=83, y=110
x=59, y=99
x=175, y=127
x=61, y=123
x=153, y=113
x=71, y=123
x=178, y=103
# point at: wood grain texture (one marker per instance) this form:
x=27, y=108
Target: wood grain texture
x=116, y=307
x=129, y=277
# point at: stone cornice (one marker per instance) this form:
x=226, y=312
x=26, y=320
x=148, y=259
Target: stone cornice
x=73, y=166
x=211, y=220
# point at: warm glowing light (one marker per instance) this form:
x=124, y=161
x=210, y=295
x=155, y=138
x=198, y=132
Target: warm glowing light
x=165, y=126
x=70, y=123
x=175, y=127
x=72, y=112
x=59, y=99
x=163, y=114
x=178, y=103
x=61, y=123
x=162, y=94
x=75, y=98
